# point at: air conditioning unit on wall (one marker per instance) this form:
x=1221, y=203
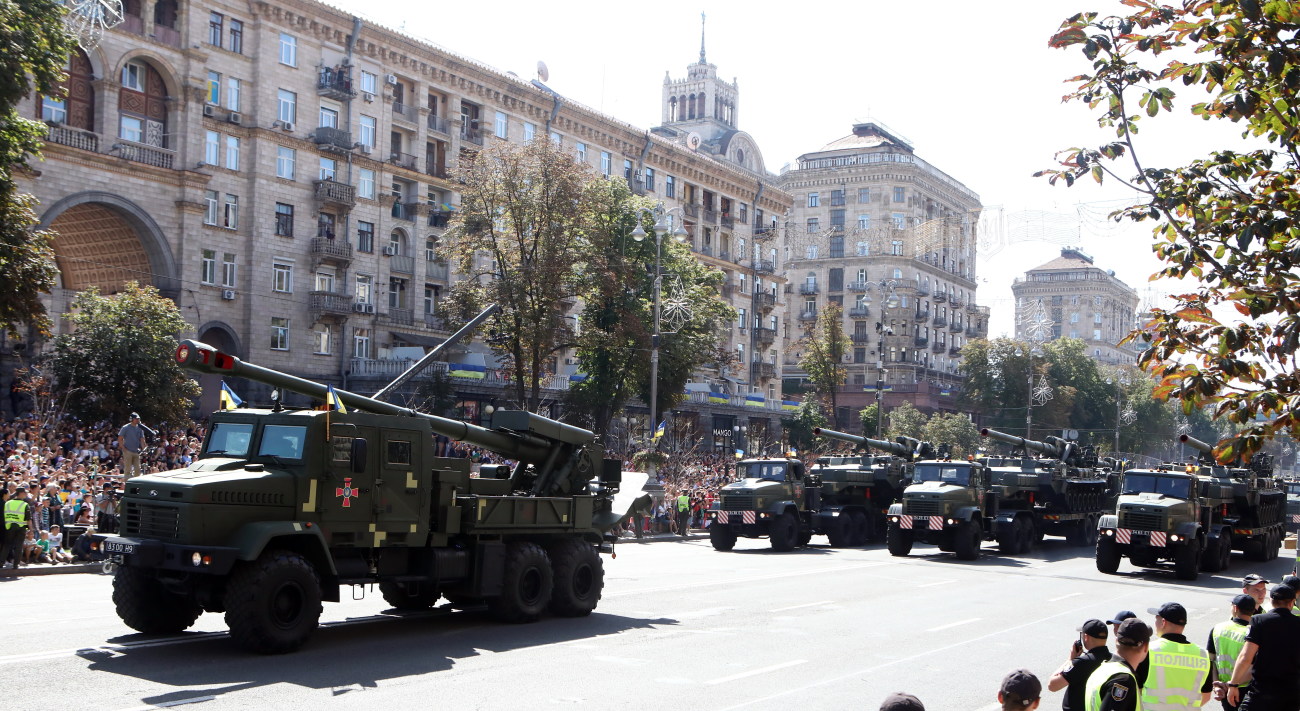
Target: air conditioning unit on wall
x=390, y=250
x=209, y=110
x=228, y=294
x=235, y=117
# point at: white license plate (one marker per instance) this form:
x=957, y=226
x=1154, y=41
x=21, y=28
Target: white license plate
x=118, y=547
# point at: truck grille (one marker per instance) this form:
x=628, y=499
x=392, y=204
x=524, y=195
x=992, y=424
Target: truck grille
x=923, y=507
x=737, y=503
x=1141, y=521
x=151, y=520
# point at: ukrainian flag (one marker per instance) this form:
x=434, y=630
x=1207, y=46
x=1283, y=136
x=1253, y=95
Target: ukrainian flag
x=755, y=400
x=229, y=400
x=659, y=431
x=467, y=370
x=945, y=392
x=718, y=398
x=577, y=377
x=789, y=404
x=872, y=388
x=332, y=401
x=740, y=454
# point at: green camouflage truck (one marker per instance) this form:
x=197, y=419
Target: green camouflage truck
x=857, y=491
x=772, y=498
x=950, y=504
x=282, y=508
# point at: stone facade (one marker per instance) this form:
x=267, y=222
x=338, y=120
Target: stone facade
x=1083, y=301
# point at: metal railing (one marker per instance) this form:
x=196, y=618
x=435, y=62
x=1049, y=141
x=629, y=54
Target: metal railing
x=764, y=335
x=404, y=160
x=335, y=82
x=438, y=218
x=436, y=270
x=921, y=341
x=858, y=286
x=401, y=317
x=472, y=135
x=807, y=315
x=728, y=221
x=765, y=300
x=72, y=137
x=140, y=153
x=764, y=266
x=403, y=211
x=860, y=338
x=439, y=124
x=859, y=312
x=808, y=289
x=404, y=112
x=940, y=321
x=332, y=137
x=401, y=264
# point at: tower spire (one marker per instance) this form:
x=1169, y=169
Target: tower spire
x=702, y=60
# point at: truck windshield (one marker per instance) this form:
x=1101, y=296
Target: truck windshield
x=283, y=441
x=1293, y=488
x=1176, y=487
x=946, y=474
x=770, y=471
x=229, y=439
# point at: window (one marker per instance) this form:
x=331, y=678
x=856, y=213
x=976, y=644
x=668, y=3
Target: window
x=208, y=275
x=1096, y=334
x=650, y=182
x=228, y=269
x=232, y=93
x=325, y=280
x=899, y=220
x=328, y=167
x=530, y=131
x=502, y=125
x=814, y=200
x=215, y=29
x=430, y=299
x=288, y=50
x=322, y=334
x=837, y=219
x=133, y=76
x=835, y=279
x=396, y=293
x=1096, y=318
x=837, y=198
x=214, y=88
x=744, y=212
x=606, y=163
x=367, y=136
x=864, y=195
x=627, y=169
x=211, y=203
x=814, y=225
x=864, y=222
x=53, y=109
x=283, y=219
x=1074, y=318
x=232, y=152
x=212, y=148
x=900, y=194
x=285, y=161
x=365, y=288
x=361, y=343
x=369, y=82
x=366, y=183
x=898, y=273
x=740, y=319
x=670, y=186
x=282, y=277
x=132, y=129
x=365, y=236
x=329, y=117
x=581, y=148
x=837, y=247
x=237, y=36
x=556, y=140
x=811, y=252
x=325, y=225
x=287, y=106
x=810, y=305
x=863, y=249
x=230, y=218
x=279, y=334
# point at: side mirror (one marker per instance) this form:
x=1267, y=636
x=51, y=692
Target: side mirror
x=358, y=455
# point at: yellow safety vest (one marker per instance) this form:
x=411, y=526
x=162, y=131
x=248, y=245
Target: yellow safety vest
x=1229, y=638
x=1177, y=674
x=1092, y=692
x=683, y=502
x=15, y=513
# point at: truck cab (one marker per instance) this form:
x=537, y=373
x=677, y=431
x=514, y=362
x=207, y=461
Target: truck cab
x=949, y=504
x=772, y=498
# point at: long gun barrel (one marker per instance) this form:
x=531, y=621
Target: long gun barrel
x=894, y=448
x=1198, y=445
x=1050, y=448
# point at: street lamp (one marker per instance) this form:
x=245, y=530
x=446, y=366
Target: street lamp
x=661, y=228
x=1122, y=416
x=888, y=300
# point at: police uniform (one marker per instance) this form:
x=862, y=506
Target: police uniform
x=683, y=513
x=1113, y=687
x=1179, y=670
x=1225, y=643
x=16, y=513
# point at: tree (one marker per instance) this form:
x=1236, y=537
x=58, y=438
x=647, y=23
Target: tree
x=799, y=428
x=120, y=358
x=954, y=430
x=824, y=345
x=1225, y=220
x=36, y=50
x=870, y=417
x=906, y=421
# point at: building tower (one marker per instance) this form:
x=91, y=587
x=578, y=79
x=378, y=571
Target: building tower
x=1084, y=301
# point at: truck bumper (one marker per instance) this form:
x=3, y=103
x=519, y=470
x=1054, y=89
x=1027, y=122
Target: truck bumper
x=148, y=553
x=746, y=524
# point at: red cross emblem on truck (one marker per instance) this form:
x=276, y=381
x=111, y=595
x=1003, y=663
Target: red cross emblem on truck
x=347, y=492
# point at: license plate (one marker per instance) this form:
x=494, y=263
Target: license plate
x=118, y=547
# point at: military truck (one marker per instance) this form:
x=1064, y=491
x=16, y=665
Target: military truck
x=775, y=498
x=1292, y=505
x=1194, y=515
x=284, y=507
x=950, y=504
x=857, y=491
x=1054, y=487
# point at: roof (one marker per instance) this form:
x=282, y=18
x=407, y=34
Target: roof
x=1069, y=259
x=854, y=141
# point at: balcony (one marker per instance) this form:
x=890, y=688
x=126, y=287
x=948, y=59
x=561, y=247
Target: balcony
x=404, y=211
x=710, y=216
x=859, y=312
x=471, y=135
x=438, y=218
x=759, y=369
x=401, y=264
x=954, y=352
x=807, y=289
x=72, y=137
x=435, y=322
x=329, y=303
x=728, y=221
x=332, y=139
x=763, y=231
x=706, y=250
x=691, y=210
x=807, y=315
x=923, y=316
x=764, y=266
x=938, y=347
x=940, y=297
x=940, y=321
x=329, y=192
x=167, y=35
x=728, y=288
x=324, y=249
x=765, y=300
x=400, y=317
x=436, y=270
x=955, y=302
x=133, y=24
x=955, y=327
x=764, y=336
x=921, y=342
x=971, y=307
x=435, y=170
x=402, y=112
x=335, y=83
x=404, y=160
x=923, y=290
x=439, y=124
x=140, y=153
x=724, y=255
x=858, y=286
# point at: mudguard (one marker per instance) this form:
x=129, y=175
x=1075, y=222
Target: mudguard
x=251, y=539
x=895, y=510
x=968, y=513
x=1188, y=529
x=1108, y=521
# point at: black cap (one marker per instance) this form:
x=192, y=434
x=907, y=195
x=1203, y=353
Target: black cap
x=1281, y=592
x=135, y=415
x=1121, y=616
x=1022, y=687
x=1171, y=612
x=1252, y=579
x=1245, y=603
x=902, y=702
x=1133, y=632
x=1293, y=581
x=1095, y=628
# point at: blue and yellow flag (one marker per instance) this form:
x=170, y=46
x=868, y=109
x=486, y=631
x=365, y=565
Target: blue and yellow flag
x=659, y=431
x=789, y=404
x=332, y=400
x=755, y=400
x=467, y=370
x=719, y=398
x=740, y=454
x=229, y=400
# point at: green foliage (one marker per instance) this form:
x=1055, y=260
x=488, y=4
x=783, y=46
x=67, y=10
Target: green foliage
x=120, y=358
x=799, y=427
x=905, y=420
x=824, y=344
x=1225, y=220
x=870, y=416
x=954, y=430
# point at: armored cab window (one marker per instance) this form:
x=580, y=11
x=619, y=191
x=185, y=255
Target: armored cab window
x=946, y=474
x=283, y=441
x=399, y=452
x=1177, y=487
x=341, y=448
x=229, y=439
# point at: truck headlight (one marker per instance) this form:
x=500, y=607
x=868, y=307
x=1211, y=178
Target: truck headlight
x=1109, y=532
x=952, y=522
x=1175, y=538
x=197, y=558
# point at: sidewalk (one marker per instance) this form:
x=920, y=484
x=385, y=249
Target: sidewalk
x=47, y=569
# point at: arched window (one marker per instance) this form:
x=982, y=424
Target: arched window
x=142, y=105
x=690, y=114
x=397, y=242
x=77, y=109
x=672, y=109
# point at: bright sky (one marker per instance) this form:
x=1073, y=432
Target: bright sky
x=972, y=85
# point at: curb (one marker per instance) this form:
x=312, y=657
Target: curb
x=45, y=569
x=662, y=537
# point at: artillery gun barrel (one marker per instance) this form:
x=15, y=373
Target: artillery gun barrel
x=883, y=445
x=1028, y=444
x=1198, y=445
x=201, y=357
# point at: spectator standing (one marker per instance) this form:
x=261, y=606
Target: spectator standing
x=18, y=513
x=1021, y=691
x=106, y=509
x=1179, y=675
x=54, y=505
x=1270, y=659
x=130, y=440
x=1088, y=652
x=1114, y=685
x=1225, y=643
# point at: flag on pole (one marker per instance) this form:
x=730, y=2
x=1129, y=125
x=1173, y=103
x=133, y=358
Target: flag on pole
x=332, y=401
x=229, y=400
x=659, y=431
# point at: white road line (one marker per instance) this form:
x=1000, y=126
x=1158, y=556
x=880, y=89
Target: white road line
x=954, y=624
x=1065, y=597
x=936, y=583
x=756, y=672
x=797, y=607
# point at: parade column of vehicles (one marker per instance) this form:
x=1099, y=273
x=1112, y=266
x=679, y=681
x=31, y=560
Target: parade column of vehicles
x=283, y=508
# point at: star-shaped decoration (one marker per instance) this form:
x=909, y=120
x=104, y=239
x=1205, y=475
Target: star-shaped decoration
x=87, y=20
x=675, y=309
x=1036, y=323
x=1128, y=416
x=1042, y=392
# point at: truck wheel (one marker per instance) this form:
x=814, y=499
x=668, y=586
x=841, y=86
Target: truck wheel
x=579, y=578
x=146, y=606
x=1254, y=549
x=898, y=540
x=1187, y=561
x=722, y=536
x=1225, y=550
x=864, y=529
x=1011, y=538
x=966, y=541
x=526, y=584
x=1029, y=534
x=1107, y=555
x=840, y=530
x=1210, y=556
x=274, y=603
x=784, y=533
x=1090, y=529
x=805, y=536
x=419, y=595
x=1275, y=546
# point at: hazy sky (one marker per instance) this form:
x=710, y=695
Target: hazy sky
x=973, y=86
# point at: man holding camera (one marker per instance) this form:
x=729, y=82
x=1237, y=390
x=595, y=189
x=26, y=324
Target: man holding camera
x=1114, y=685
x=1088, y=652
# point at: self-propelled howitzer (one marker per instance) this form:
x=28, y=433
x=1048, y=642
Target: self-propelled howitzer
x=872, y=486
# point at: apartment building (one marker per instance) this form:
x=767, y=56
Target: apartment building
x=1082, y=301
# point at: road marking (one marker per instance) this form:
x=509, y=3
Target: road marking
x=720, y=582
x=936, y=583
x=1065, y=597
x=797, y=607
x=954, y=624
x=169, y=704
x=756, y=672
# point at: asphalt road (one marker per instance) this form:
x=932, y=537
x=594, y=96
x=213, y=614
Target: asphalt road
x=680, y=626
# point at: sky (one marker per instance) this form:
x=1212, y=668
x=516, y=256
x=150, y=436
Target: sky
x=973, y=86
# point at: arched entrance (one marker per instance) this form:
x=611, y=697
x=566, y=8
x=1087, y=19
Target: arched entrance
x=104, y=241
x=222, y=337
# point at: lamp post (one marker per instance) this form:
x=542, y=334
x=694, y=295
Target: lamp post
x=661, y=228
x=888, y=300
x=1037, y=328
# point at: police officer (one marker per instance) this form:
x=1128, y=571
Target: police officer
x=1270, y=659
x=1179, y=674
x=1256, y=586
x=1225, y=643
x=1088, y=653
x=17, y=513
x=683, y=512
x=1114, y=685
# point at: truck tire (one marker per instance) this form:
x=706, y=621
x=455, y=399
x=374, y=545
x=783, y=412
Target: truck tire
x=1274, y=548
x=898, y=540
x=1090, y=532
x=805, y=536
x=966, y=541
x=579, y=578
x=864, y=529
x=1210, y=556
x=273, y=604
x=1187, y=561
x=1029, y=533
x=146, y=606
x=1011, y=538
x=840, y=530
x=1108, y=555
x=1225, y=550
x=784, y=534
x=722, y=536
x=418, y=595
x=1254, y=549
x=526, y=584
